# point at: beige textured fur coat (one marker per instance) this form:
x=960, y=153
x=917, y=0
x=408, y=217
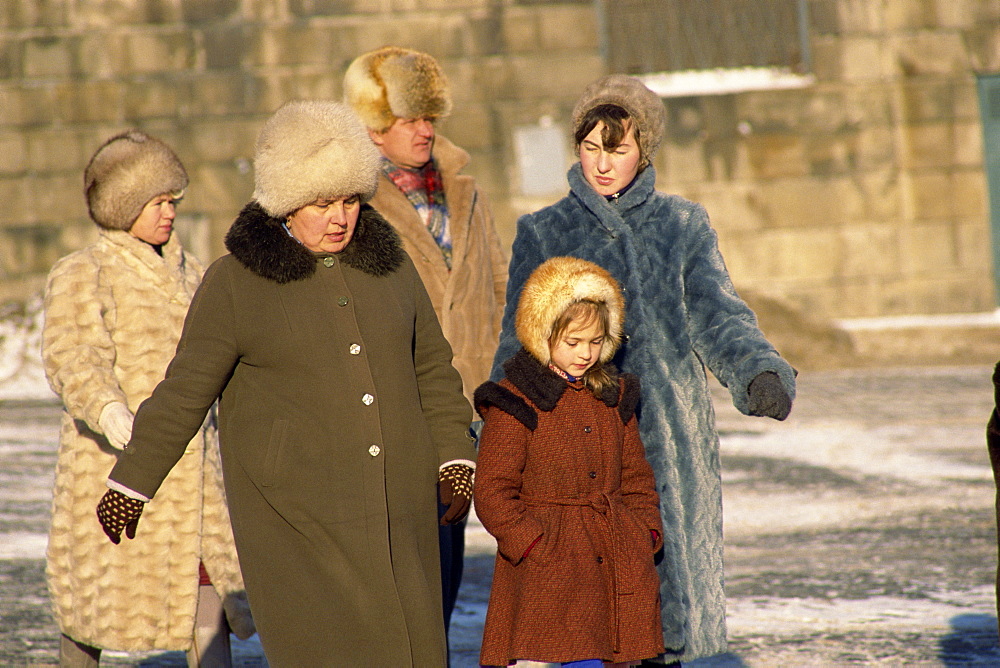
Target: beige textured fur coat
x=469, y=299
x=113, y=315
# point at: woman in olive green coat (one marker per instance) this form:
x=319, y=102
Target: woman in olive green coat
x=339, y=408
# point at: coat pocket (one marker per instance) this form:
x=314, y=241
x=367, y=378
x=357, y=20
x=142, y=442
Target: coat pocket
x=275, y=444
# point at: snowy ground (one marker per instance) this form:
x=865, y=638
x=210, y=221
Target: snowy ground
x=859, y=532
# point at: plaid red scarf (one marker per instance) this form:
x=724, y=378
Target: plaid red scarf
x=425, y=190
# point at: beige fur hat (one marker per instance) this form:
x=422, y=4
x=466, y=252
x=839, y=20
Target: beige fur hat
x=125, y=173
x=555, y=285
x=643, y=105
x=392, y=82
x=310, y=150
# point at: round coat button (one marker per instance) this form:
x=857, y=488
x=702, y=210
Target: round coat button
x=600, y=560
x=343, y=301
x=355, y=349
x=587, y=430
x=367, y=399
x=329, y=261
x=593, y=474
x=374, y=450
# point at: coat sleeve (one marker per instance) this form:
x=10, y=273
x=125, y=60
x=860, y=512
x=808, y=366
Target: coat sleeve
x=525, y=256
x=638, y=484
x=445, y=407
x=78, y=353
x=502, y=455
x=498, y=262
x=206, y=355
x=723, y=329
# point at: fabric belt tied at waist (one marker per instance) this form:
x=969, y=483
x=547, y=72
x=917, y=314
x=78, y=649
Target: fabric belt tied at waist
x=612, y=515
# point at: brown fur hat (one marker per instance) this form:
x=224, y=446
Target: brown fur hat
x=310, y=150
x=125, y=173
x=392, y=82
x=555, y=285
x=643, y=105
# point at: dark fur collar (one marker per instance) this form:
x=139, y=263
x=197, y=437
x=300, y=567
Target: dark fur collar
x=543, y=387
x=263, y=246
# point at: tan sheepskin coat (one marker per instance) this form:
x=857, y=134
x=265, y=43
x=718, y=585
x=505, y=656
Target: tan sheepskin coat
x=469, y=299
x=113, y=316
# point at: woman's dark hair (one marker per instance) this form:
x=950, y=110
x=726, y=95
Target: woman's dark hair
x=596, y=378
x=616, y=126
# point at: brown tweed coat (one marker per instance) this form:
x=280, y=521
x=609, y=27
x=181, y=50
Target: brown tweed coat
x=558, y=463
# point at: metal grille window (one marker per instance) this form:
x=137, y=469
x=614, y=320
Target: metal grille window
x=747, y=43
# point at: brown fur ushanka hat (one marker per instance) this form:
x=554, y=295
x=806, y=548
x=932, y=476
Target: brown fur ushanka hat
x=392, y=82
x=311, y=150
x=552, y=287
x=125, y=173
x=643, y=105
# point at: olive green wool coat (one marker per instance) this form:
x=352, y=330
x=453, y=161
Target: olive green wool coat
x=113, y=314
x=338, y=405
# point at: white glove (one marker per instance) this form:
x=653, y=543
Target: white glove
x=116, y=423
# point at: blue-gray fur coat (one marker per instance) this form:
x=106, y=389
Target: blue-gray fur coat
x=682, y=315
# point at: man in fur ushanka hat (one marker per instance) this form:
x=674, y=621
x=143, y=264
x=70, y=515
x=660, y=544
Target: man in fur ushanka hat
x=440, y=213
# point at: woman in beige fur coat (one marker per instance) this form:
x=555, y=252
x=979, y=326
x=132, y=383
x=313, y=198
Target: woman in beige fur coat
x=113, y=316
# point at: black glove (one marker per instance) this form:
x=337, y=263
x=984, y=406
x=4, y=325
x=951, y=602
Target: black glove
x=455, y=490
x=118, y=512
x=766, y=397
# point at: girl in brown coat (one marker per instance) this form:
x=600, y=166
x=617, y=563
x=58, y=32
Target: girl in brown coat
x=564, y=486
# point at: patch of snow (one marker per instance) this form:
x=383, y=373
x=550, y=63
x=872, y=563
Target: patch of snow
x=23, y=545
x=723, y=81
x=984, y=319
x=21, y=373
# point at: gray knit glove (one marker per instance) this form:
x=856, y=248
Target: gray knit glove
x=766, y=397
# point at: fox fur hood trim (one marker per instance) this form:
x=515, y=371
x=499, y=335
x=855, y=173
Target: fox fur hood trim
x=311, y=150
x=393, y=82
x=125, y=173
x=261, y=244
x=551, y=288
x=643, y=105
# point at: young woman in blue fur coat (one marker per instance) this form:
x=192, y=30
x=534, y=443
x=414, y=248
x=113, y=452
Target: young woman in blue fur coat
x=683, y=315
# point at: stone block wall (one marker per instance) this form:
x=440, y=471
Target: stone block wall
x=204, y=74
x=861, y=194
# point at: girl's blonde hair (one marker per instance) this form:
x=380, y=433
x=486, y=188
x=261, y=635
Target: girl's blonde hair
x=584, y=312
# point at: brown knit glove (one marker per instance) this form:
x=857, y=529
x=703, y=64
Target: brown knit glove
x=455, y=490
x=118, y=512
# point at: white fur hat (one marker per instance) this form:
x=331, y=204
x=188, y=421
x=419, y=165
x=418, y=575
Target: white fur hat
x=552, y=287
x=643, y=105
x=392, y=82
x=311, y=150
x=125, y=173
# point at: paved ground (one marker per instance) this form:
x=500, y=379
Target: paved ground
x=859, y=532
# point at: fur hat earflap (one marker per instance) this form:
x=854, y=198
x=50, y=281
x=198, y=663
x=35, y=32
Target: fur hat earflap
x=553, y=287
x=643, y=105
x=392, y=82
x=125, y=173
x=311, y=150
